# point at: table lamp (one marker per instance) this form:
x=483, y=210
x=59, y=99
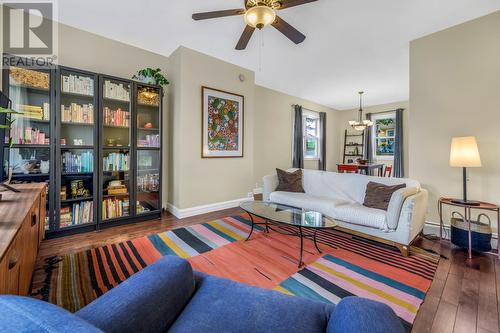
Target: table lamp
x=465, y=154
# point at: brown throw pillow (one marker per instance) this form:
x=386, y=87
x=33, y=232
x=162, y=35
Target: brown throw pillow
x=378, y=195
x=290, y=181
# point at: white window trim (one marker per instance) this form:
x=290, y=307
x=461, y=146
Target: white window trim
x=313, y=115
x=375, y=117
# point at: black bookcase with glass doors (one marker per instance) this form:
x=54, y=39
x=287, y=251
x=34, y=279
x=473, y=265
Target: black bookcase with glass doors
x=95, y=139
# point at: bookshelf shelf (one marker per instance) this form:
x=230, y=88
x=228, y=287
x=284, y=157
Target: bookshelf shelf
x=68, y=201
x=86, y=122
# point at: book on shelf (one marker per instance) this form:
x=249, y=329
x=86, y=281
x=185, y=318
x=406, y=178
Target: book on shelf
x=112, y=208
x=77, y=213
x=117, y=190
x=152, y=141
x=75, y=113
x=116, y=162
x=76, y=84
x=73, y=163
x=27, y=135
x=33, y=111
x=118, y=117
x=116, y=91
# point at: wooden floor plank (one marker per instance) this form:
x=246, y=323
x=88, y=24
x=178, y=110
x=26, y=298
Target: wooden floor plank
x=444, y=321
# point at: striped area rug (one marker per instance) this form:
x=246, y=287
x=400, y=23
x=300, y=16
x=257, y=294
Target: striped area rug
x=333, y=277
x=75, y=280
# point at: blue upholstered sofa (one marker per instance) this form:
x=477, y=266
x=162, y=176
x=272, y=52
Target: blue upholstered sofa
x=169, y=296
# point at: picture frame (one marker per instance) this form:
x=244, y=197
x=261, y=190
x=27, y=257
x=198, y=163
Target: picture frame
x=222, y=128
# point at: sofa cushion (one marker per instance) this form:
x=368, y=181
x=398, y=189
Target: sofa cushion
x=306, y=201
x=22, y=314
x=148, y=301
x=290, y=181
x=221, y=305
x=354, y=314
x=379, y=195
x=358, y=214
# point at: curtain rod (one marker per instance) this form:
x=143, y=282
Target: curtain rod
x=303, y=108
x=389, y=111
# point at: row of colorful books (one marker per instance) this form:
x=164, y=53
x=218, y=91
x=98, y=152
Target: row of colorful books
x=75, y=113
x=82, y=162
x=78, y=213
x=77, y=84
x=116, y=162
x=28, y=136
x=33, y=111
x=117, y=117
x=112, y=208
x=116, y=91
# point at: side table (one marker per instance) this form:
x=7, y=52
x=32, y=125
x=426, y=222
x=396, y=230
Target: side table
x=468, y=213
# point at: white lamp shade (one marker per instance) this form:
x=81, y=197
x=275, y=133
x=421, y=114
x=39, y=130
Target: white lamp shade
x=464, y=152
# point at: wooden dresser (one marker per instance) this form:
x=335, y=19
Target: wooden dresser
x=22, y=227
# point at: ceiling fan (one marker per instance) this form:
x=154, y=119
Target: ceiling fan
x=258, y=14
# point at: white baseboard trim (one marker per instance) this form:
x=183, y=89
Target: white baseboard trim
x=433, y=229
x=181, y=213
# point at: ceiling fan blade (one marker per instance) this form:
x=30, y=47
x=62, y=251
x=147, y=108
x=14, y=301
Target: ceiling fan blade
x=245, y=38
x=292, y=3
x=286, y=29
x=216, y=14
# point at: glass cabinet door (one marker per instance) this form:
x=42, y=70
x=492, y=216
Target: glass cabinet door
x=77, y=132
x=116, y=134
x=28, y=160
x=148, y=106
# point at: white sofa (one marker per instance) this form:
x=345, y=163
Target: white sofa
x=341, y=197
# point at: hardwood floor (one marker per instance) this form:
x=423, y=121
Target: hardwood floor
x=464, y=297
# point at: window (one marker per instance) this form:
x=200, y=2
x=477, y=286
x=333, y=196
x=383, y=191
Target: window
x=311, y=136
x=383, y=135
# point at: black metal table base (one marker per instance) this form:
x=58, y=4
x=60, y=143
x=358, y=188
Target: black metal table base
x=299, y=233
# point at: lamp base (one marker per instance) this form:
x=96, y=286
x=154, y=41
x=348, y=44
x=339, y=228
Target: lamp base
x=466, y=202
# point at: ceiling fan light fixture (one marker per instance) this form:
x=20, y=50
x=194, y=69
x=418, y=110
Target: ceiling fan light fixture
x=260, y=16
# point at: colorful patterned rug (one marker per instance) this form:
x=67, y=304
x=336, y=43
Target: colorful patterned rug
x=362, y=267
x=333, y=277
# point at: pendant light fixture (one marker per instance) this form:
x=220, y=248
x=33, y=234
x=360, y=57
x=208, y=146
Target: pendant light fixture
x=361, y=124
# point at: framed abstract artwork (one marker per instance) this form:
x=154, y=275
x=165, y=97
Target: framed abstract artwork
x=222, y=124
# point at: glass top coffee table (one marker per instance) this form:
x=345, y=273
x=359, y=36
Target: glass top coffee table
x=282, y=215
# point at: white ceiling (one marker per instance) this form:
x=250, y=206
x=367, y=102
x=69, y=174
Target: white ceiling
x=351, y=45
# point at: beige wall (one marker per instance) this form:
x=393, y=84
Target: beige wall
x=347, y=115
x=273, y=132
x=455, y=91
x=196, y=181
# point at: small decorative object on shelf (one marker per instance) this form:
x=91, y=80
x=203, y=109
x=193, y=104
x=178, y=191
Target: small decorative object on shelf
x=28, y=78
x=78, y=189
x=467, y=217
x=148, y=96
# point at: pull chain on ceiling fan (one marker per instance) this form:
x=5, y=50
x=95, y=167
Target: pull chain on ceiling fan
x=259, y=14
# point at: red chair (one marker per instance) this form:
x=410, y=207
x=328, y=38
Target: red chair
x=348, y=168
x=388, y=171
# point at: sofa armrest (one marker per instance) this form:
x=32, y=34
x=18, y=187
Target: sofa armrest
x=396, y=204
x=360, y=315
x=270, y=183
x=148, y=301
x=412, y=217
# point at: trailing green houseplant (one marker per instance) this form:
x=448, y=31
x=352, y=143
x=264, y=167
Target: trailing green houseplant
x=151, y=76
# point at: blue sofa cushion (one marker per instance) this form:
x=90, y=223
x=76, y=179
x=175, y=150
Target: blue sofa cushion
x=148, y=301
x=22, y=314
x=221, y=305
x=354, y=314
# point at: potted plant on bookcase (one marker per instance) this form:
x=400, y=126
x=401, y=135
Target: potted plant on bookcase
x=8, y=123
x=151, y=76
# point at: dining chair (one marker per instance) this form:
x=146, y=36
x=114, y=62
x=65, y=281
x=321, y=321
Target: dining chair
x=388, y=171
x=348, y=168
